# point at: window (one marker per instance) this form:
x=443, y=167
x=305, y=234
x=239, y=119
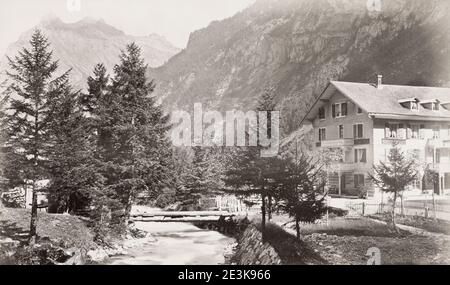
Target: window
x=415, y=184
x=413, y=132
x=438, y=156
x=359, y=110
x=435, y=106
x=358, y=131
x=411, y=104
x=391, y=130
x=359, y=180
x=322, y=113
x=341, y=131
x=344, y=109
x=431, y=105
x=360, y=156
x=339, y=110
x=436, y=132
x=422, y=132
x=322, y=134
x=394, y=131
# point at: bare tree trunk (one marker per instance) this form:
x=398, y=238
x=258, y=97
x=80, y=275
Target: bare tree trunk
x=297, y=227
x=434, y=206
x=34, y=217
x=33, y=221
x=402, y=206
x=128, y=209
x=269, y=207
x=263, y=217
x=393, y=212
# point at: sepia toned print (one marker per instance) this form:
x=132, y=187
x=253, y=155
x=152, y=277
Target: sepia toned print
x=238, y=132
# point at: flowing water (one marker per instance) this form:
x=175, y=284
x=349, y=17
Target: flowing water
x=177, y=244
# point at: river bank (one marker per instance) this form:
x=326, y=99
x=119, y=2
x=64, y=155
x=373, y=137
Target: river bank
x=69, y=240
x=62, y=238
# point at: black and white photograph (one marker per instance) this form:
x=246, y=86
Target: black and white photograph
x=234, y=133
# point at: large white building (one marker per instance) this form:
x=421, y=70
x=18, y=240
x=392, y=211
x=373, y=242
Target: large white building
x=363, y=120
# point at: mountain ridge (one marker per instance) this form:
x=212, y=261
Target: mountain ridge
x=82, y=44
x=297, y=46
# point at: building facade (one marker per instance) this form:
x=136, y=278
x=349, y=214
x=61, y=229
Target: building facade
x=363, y=121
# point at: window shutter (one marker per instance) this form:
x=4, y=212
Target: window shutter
x=356, y=155
x=344, y=109
x=321, y=113
x=408, y=132
x=333, y=110
x=363, y=159
x=354, y=132
x=360, y=131
x=387, y=131
x=356, y=180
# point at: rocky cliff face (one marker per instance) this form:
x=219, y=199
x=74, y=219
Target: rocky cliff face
x=83, y=44
x=297, y=46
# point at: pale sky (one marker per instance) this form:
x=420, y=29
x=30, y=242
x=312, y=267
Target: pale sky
x=174, y=19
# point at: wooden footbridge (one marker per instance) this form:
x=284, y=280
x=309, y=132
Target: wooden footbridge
x=182, y=216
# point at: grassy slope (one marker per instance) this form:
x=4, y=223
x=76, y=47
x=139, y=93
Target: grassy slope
x=434, y=226
x=67, y=230
x=346, y=240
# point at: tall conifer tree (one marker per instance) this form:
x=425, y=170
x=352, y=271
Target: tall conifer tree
x=133, y=146
x=33, y=87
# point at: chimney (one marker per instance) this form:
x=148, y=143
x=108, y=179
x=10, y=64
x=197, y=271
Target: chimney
x=380, y=82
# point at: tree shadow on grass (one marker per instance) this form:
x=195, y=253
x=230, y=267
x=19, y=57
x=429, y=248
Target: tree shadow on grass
x=289, y=248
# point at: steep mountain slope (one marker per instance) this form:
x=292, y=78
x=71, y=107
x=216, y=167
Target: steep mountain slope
x=296, y=46
x=83, y=44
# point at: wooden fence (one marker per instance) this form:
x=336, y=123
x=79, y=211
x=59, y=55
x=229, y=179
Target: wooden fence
x=410, y=208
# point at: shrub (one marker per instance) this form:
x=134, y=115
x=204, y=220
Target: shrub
x=164, y=200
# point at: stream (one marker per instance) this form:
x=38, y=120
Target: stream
x=176, y=244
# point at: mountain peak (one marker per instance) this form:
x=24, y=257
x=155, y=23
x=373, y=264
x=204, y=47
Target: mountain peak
x=82, y=44
x=91, y=20
x=51, y=19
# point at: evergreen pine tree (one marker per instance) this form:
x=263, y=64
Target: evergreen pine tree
x=394, y=176
x=32, y=90
x=203, y=177
x=134, y=149
x=73, y=175
x=3, y=180
x=97, y=90
x=251, y=174
x=298, y=184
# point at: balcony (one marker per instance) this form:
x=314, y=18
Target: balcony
x=346, y=167
x=439, y=143
x=393, y=140
x=335, y=143
x=362, y=141
x=342, y=142
x=440, y=167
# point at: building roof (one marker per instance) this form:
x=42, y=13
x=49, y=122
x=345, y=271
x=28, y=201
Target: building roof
x=383, y=102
